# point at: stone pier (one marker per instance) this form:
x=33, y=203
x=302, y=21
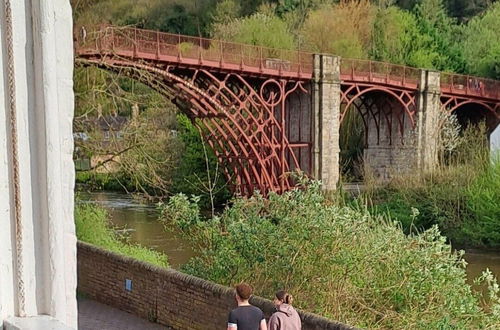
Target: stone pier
x=428, y=109
x=326, y=99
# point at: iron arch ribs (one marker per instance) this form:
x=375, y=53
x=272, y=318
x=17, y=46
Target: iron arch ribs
x=243, y=122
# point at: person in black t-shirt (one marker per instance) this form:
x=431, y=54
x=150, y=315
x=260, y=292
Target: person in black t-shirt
x=245, y=316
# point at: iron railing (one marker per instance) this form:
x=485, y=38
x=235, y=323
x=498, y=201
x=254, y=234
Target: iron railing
x=379, y=72
x=470, y=85
x=147, y=44
x=155, y=45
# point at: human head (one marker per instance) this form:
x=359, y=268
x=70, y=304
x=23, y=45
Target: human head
x=243, y=291
x=283, y=297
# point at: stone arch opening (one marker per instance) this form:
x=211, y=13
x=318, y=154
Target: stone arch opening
x=470, y=113
x=385, y=118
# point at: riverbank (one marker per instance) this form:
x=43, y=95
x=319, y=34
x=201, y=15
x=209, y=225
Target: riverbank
x=140, y=221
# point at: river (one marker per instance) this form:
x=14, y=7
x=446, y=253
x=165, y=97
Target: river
x=141, y=221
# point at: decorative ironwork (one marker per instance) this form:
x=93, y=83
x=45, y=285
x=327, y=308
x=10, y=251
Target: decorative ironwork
x=245, y=125
x=452, y=103
x=390, y=104
x=194, y=52
x=237, y=94
x=462, y=85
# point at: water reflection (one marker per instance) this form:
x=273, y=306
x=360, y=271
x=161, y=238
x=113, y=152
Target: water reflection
x=479, y=260
x=141, y=223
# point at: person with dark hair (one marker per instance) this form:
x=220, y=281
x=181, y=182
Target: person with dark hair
x=245, y=316
x=286, y=317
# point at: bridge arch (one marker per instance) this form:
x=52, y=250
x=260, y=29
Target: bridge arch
x=471, y=111
x=387, y=116
x=243, y=124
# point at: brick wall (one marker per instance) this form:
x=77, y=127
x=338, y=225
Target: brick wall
x=166, y=296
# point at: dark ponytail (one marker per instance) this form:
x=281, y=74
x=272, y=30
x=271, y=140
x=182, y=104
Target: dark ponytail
x=284, y=297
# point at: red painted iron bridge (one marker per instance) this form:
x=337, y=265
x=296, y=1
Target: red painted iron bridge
x=255, y=106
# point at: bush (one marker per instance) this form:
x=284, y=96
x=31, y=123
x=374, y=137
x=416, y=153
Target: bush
x=340, y=262
x=462, y=196
x=483, y=201
x=104, y=181
x=92, y=227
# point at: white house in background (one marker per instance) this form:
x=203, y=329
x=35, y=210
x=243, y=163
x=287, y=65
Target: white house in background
x=495, y=142
x=37, y=234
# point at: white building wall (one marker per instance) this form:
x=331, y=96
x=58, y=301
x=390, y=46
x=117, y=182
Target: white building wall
x=43, y=63
x=495, y=142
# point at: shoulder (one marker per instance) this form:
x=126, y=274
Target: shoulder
x=257, y=310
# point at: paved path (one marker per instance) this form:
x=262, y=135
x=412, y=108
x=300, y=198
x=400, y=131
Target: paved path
x=96, y=316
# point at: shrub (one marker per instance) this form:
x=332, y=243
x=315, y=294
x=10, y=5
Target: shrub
x=92, y=227
x=461, y=196
x=483, y=201
x=340, y=262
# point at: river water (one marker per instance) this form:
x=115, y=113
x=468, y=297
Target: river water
x=141, y=221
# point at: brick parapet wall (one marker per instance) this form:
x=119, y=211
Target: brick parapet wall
x=166, y=296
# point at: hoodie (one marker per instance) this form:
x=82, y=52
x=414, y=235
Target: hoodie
x=285, y=318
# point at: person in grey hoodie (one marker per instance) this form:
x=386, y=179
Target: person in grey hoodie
x=286, y=317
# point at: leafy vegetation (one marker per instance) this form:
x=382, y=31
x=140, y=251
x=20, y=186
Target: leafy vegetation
x=461, y=196
x=340, y=262
x=452, y=35
x=92, y=226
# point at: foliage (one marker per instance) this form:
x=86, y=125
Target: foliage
x=258, y=29
x=191, y=176
x=92, y=226
x=98, y=90
x=175, y=16
x=225, y=11
x=397, y=39
x=325, y=30
x=103, y=181
x=352, y=142
x=142, y=165
x=461, y=196
x=483, y=201
x=150, y=166
x=482, y=43
x=340, y=262
x=442, y=35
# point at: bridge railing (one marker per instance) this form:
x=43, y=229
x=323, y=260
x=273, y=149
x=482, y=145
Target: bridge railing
x=194, y=50
x=470, y=85
x=379, y=72
x=146, y=44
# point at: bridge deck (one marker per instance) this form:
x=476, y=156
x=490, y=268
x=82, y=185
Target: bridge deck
x=189, y=52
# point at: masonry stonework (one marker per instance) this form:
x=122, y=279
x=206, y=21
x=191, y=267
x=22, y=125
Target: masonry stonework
x=390, y=147
x=326, y=99
x=166, y=296
x=428, y=111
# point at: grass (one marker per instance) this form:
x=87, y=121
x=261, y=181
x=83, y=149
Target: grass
x=92, y=226
x=461, y=197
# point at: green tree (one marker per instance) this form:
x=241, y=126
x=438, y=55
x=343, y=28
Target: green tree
x=226, y=10
x=344, y=29
x=197, y=170
x=441, y=34
x=398, y=39
x=258, y=29
x=481, y=45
